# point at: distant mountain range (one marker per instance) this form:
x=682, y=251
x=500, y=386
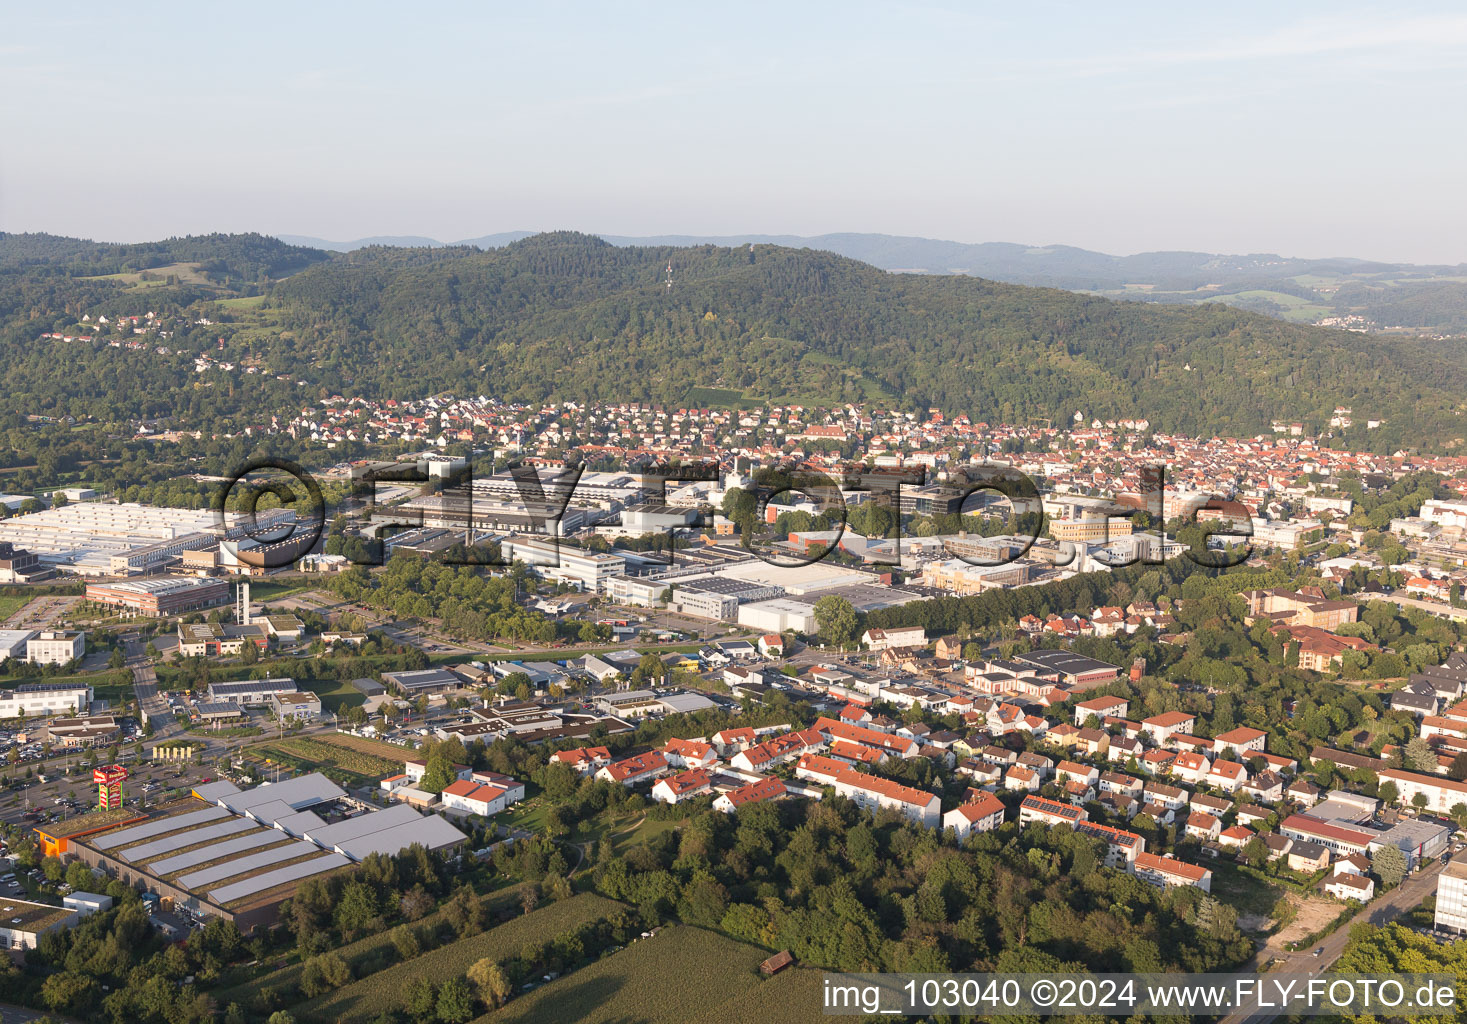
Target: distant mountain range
x=1365, y=294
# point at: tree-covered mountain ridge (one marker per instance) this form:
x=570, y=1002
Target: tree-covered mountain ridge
x=569, y=316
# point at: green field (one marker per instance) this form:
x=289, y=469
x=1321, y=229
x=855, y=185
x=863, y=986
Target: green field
x=335, y=694
x=382, y=992
x=721, y=398
x=243, y=302
x=680, y=974
x=12, y=603
x=274, y=989
x=310, y=754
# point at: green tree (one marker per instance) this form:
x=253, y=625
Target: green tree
x=836, y=619
x=1389, y=864
x=455, y=1003
x=491, y=982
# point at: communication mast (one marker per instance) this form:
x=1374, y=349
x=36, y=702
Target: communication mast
x=669, y=275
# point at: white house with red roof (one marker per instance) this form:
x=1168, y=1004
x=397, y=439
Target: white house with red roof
x=632, y=770
x=1102, y=708
x=689, y=753
x=1168, y=871
x=765, y=789
x=771, y=645
x=1227, y=776
x=981, y=815
x=683, y=786
x=473, y=798
x=1162, y=727
x=585, y=760
x=1243, y=740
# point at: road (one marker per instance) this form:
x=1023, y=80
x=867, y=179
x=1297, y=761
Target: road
x=145, y=681
x=1378, y=912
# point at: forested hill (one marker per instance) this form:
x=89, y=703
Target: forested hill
x=570, y=316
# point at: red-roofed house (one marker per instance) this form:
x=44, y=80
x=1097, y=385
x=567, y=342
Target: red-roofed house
x=1168, y=871
x=683, y=786
x=981, y=815
x=765, y=789
x=635, y=769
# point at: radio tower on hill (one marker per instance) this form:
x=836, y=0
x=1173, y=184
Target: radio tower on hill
x=669, y=275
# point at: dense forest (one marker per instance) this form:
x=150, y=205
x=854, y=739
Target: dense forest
x=569, y=316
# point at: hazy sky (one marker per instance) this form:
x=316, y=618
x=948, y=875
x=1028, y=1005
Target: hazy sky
x=1304, y=129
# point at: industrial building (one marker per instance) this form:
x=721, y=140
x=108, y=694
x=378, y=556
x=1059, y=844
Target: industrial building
x=102, y=539
x=589, y=570
x=36, y=700
x=423, y=681
x=237, y=854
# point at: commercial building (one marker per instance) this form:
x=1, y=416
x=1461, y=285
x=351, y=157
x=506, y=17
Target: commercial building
x=779, y=615
x=238, y=854
x=56, y=646
x=163, y=596
x=1451, y=896
x=35, y=700
x=1076, y=671
x=206, y=639
x=72, y=733
x=419, y=682
x=294, y=705
x=250, y=691
x=13, y=641
x=22, y=923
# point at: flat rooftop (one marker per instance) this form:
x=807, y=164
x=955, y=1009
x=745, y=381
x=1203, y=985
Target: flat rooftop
x=32, y=917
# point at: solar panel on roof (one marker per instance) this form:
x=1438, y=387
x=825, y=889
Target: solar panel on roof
x=212, y=792
x=259, y=837
x=300, y=823
x=158, y=827
x=301, y=792
x=430, y=832
x=271, y=812
x=158, y=847
x=271, y=879
x=363, y=824
x=240, y=865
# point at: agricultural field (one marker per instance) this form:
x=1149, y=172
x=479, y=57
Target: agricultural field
x=382, y=992
x=790, y=997
x=314, y=753
x=652, y=981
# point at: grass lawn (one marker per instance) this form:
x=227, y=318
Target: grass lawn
x=1249, y=896
x=336, y=694
x=268, y=591
x=678, y=975
x=12, y=603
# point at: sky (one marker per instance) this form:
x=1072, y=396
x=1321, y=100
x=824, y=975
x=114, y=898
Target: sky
x=1301, y=129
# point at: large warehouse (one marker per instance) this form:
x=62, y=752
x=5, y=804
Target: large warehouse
x=103, y=539
x=237, y=854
